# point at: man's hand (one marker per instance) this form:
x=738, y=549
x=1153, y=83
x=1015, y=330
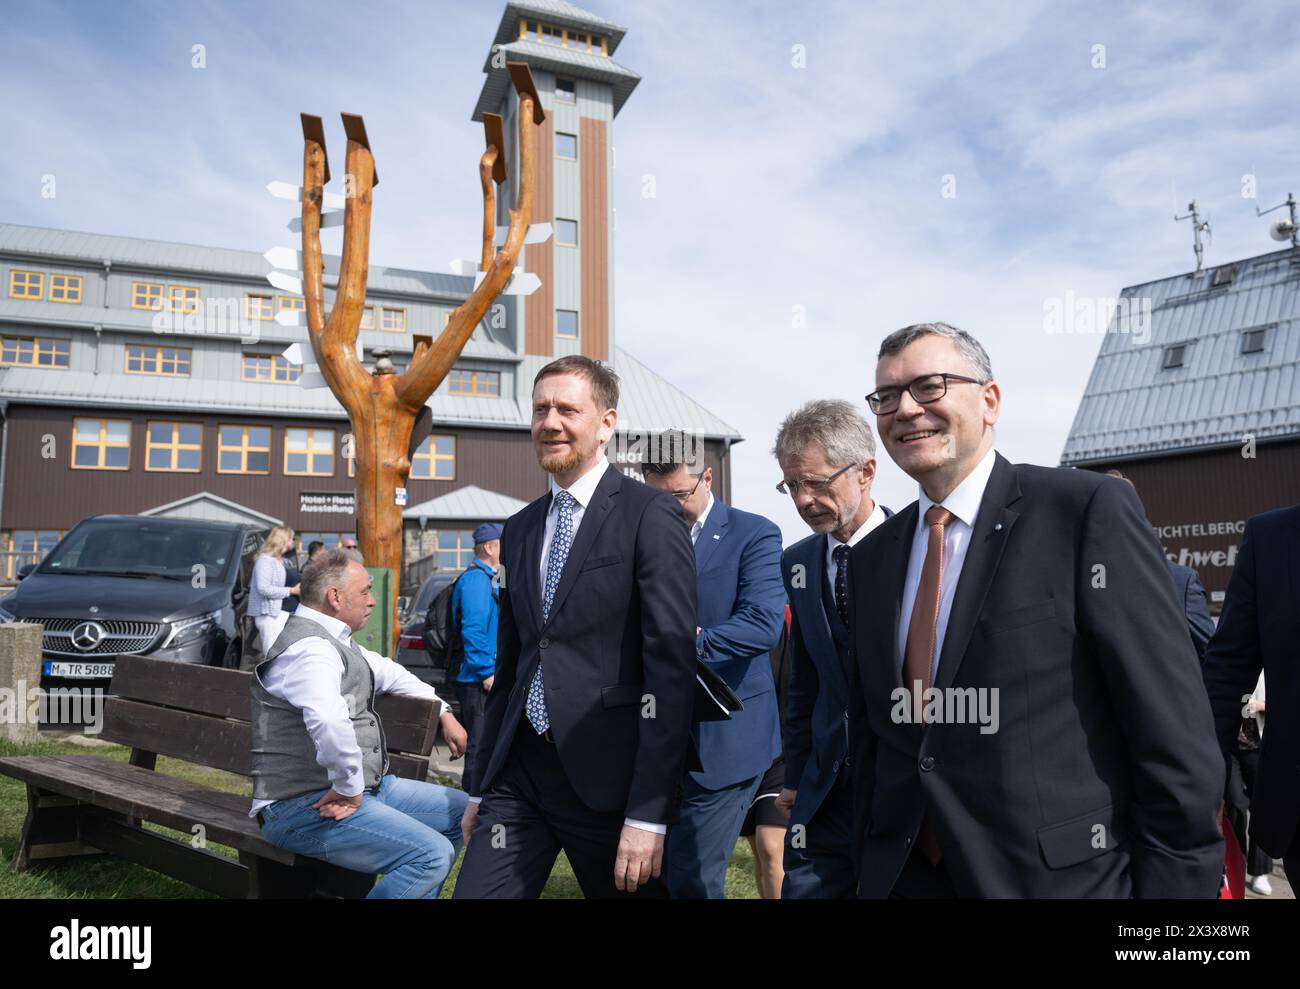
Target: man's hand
x=296, y=589
x=640, y=856
x=487, y=684
x=454, y=733
x=785, y=801
x=467, y=822
x=336, y=806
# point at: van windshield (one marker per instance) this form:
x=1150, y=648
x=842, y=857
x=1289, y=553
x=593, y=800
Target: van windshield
x=146, y=549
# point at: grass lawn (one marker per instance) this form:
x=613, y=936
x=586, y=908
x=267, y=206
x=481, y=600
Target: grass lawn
x=106, y=878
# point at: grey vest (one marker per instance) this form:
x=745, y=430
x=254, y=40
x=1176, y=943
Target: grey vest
x=284, y=756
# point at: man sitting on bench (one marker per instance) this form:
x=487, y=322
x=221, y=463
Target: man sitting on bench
x=320, y=782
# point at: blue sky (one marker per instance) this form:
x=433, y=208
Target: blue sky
x=776, y=187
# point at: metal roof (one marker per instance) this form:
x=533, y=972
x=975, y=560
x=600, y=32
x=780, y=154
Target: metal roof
x=212, y=508
x=468, y=504
x=1134, y=407
x=161, y=255
x=552, y=59
x=559, y=13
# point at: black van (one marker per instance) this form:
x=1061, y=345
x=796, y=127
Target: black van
x=120, y=585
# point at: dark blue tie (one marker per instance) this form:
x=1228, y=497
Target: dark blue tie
x=841, y=558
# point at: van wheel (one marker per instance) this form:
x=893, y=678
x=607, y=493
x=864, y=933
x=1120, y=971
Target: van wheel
x=231, y=659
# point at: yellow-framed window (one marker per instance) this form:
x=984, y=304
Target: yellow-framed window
x=463, y=381
x=170, y=362
x=101, y=444
x=309, y=452
x=173, y=446
x=292, y=303
x=435, y=460
x=455, y=548
x=259, y=307
x=65, y=288
x=36, y=352
x=550, y=35
x=269, y=368
x=392, y=320
x=243, y=449
x=27, y=285
x=147, y=295
x=183, y=298
x=368, y=317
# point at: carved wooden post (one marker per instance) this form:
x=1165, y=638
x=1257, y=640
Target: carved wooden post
x=383, y=406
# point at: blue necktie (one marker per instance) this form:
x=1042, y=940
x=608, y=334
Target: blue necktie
x=535, y=705
x=841, y=557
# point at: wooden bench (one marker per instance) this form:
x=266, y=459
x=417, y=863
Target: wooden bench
x=83, y=805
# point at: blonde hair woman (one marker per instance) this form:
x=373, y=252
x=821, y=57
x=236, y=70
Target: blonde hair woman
x=269, y=586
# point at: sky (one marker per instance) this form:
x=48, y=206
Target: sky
x=793, y=181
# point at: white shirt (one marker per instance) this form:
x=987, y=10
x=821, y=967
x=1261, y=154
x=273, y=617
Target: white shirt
x=876, y=517
x=583, y=489
x=698, y=525
x=307, y=676
x=964, y=503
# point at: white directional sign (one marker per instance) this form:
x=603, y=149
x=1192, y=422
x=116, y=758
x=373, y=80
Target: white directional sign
x=538, y=233
x=521, y=283
x=285, y=283
x=327, y=220
x=287, y=190
x=463, y=267
x=293, y=353
x=290, y=317
x=289, y=259
x=311, y=379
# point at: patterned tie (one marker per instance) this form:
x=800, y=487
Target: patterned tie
x=561, y=540
x=841, y=557
x=922, y=631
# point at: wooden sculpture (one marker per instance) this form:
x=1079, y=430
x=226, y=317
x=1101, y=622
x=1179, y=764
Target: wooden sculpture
x=383, y=406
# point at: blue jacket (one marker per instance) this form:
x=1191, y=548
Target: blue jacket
x=1191, y=595
x=741, y=614
x=474, y=605
x=816, y=707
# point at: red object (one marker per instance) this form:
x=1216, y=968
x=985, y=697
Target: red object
x=1234, y=864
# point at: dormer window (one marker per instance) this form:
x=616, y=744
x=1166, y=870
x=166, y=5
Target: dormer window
x=1252, y=341
x=1174, y=356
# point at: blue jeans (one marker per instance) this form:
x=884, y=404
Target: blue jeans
x=407, y=829
x=699, y=846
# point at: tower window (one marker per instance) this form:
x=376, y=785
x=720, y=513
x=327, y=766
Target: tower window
x=566, y=324
x=566, y=145
x=566, y=91
x=566, y=233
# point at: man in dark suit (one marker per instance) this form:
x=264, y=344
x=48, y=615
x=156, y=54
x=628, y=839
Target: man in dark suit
x=1026, y=715
x=1260, y=629
x=828, y=459
x=585, y=733
x=741, y=614
x=1190, y=593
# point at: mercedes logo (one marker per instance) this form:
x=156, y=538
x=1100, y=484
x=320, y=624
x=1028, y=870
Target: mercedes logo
x=87, y=635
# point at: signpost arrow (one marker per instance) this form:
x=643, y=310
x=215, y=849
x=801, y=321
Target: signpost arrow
x=289, y=259
x=327, y=220
x=287, y=190
x=285, y=283
x=521, y=283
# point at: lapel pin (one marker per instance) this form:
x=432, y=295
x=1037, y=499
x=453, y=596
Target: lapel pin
x=997, y=527
x=716, y=536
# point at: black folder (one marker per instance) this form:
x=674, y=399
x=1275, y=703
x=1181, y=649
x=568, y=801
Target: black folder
x=714, y=700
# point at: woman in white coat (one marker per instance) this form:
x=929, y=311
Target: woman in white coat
x=269, y=587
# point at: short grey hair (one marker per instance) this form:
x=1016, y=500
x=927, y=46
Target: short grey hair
x=971, y=349
x=322, y=573
x=832, y=424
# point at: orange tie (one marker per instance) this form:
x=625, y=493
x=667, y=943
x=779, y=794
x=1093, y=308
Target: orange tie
x=922, y=630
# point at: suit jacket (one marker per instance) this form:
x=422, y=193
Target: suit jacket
x=618, y=650
x=1191, y=595
x=816, y=708
x=1260, y=629
x=1100, y=779
x=741, y=612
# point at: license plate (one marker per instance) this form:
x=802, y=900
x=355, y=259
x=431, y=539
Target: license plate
x=80, y=671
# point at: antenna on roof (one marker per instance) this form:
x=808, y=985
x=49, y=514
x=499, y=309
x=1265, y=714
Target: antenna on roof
x=1283, y=229
x=1198, y=225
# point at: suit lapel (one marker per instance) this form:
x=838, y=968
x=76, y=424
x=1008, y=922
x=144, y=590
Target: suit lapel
x=524, y=577
x=714, y=531
x=593, y=517
x=989, y=539
x=895, y=568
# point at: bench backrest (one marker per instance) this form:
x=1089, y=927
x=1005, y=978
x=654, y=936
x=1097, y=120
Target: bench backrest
x=201, y=714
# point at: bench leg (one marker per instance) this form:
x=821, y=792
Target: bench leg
x=51, y=830
x=269, y=880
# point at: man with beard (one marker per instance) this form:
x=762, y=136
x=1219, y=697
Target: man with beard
x=828, y=461
x=585, y=733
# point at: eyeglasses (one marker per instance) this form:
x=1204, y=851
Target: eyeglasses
x=814, y=485
x=683, y=495
x=349, y=545
x=925, y=389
